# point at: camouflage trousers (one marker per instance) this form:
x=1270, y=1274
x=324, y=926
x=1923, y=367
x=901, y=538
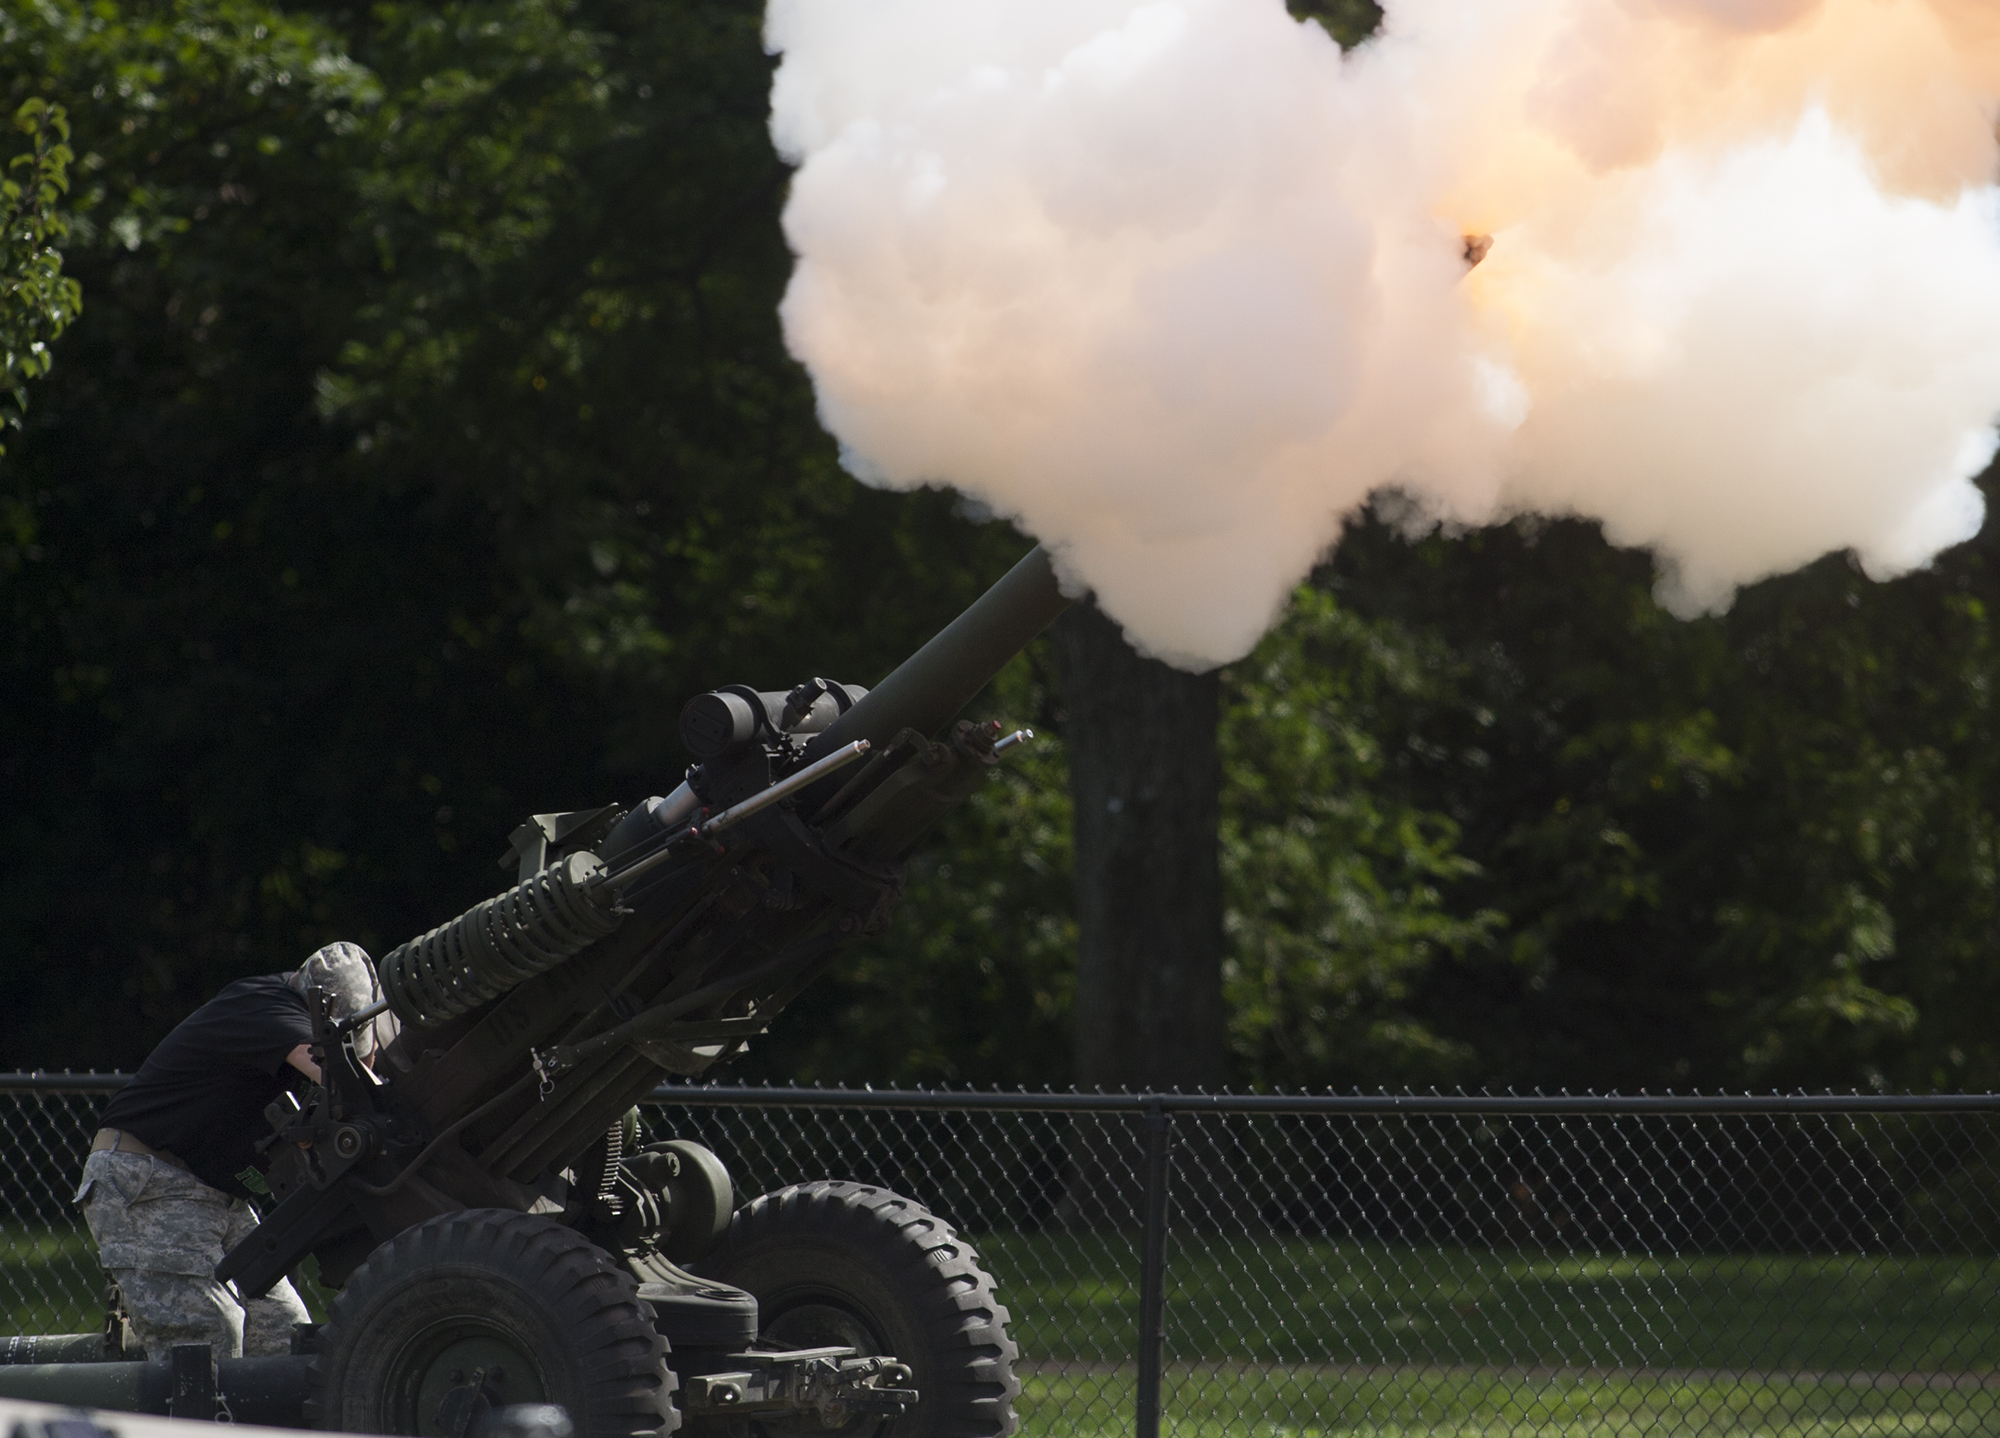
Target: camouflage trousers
x=161, y=1231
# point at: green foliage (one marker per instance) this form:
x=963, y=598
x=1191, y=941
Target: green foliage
x=193, y=608
x=37, y=301
x=1335, y=887
x=1753, y=849
x=1348, y=21
x=428, y=440
x=429, y=437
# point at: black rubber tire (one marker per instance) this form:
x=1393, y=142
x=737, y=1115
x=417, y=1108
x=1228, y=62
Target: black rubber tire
x=492, y=1279
x=837, y=1262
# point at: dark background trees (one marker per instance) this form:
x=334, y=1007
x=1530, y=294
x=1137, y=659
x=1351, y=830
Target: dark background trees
x=37, y=300
x=427, y=437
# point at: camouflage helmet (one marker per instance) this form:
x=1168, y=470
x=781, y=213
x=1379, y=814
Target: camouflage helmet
x=344, y=971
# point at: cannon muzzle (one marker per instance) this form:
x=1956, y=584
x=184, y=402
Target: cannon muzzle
x=925, y=690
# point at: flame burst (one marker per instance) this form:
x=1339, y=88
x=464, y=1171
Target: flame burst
x=1177, y=284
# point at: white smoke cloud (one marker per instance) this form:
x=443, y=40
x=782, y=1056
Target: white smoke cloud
x=1177, y=285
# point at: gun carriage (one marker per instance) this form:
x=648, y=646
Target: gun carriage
x=480, y=1199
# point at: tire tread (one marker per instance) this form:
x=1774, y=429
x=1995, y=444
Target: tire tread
x=972, y=1358
x=620, y=1355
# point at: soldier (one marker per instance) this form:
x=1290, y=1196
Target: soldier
x=166, y=1187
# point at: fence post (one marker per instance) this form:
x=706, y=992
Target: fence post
x=1153, y=1271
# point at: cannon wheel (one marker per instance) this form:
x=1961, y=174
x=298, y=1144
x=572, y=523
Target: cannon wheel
x=844, y=1263
x=533, y=1310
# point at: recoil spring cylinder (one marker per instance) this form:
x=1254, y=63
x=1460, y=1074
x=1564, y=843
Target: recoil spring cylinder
x=505, y=941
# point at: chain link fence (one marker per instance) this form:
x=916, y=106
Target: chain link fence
x=1241, y=1264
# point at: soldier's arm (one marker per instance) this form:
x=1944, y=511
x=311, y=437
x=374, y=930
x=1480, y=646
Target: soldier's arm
x=301, y=1058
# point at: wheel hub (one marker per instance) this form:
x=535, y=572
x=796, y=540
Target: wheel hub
x=461, y=1376
x=822, y=1325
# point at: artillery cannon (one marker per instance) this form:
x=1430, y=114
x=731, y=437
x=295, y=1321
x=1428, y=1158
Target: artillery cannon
x=477, y=1196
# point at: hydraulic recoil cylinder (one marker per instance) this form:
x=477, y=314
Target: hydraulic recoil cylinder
x=493, y=946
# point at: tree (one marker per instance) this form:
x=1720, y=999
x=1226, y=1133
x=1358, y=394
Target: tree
x=1144, y=779
x=428, y=440
x=1744, y=850
x=1343, y=895
x=37, y=301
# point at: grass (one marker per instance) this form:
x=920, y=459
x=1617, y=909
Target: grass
x=50, y=1281
x=1306, y=1301
x=1209, y=1401
x=1310, y=1339
x=1304, y=1339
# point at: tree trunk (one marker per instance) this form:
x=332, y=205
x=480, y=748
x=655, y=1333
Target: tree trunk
x=1144, y=774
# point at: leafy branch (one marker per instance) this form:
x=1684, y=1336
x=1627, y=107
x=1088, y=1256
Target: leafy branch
x=36, y=301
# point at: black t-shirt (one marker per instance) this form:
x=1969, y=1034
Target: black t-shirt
x=201, y=1094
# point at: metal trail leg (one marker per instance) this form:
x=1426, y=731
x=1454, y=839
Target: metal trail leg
x=193, y=1369
x=1153, y=1271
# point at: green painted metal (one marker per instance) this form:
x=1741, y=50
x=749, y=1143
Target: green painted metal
x=118, y=1386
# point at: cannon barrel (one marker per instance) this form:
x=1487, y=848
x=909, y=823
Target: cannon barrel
x=925, y=690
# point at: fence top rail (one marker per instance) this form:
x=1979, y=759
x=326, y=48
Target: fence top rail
x=1443, y=1105
x=65, y=1082
x=1073, y=1101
